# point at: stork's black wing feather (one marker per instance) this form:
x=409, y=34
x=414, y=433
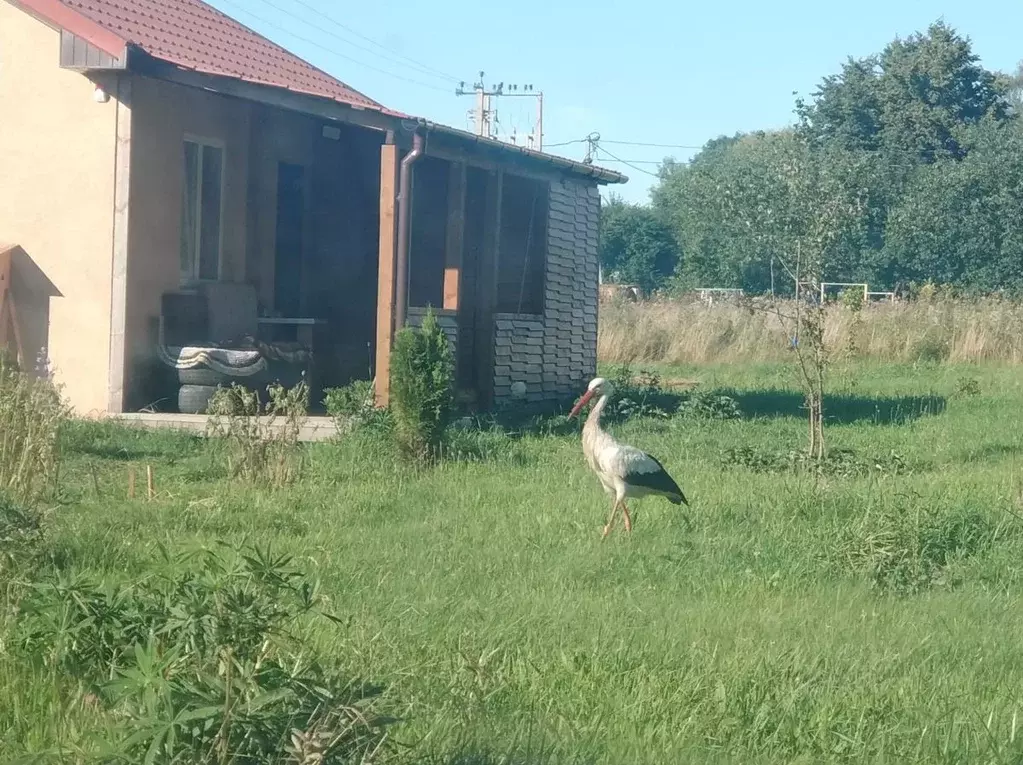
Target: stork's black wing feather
x=650, y=474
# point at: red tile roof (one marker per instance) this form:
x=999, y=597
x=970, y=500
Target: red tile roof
x=194, y=35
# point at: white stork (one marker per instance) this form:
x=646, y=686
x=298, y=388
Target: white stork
x=623, y=470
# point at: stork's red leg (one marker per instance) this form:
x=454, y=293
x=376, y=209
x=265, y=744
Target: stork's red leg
x=628, y=519
x=610, y=520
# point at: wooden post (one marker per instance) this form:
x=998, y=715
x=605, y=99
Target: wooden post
x=150, y=485
x=455, y=236
x=9, y=329
x=389, y=165
x=487, y=291
x=131, y=483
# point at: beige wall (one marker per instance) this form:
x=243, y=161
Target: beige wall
x=56, y=201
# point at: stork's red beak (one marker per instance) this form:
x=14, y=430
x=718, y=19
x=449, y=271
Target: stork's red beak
x=581, y=403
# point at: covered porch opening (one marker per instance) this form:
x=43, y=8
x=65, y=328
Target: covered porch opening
x=477, y=252
x=252, y=226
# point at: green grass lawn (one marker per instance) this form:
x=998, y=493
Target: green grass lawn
x=869, y=615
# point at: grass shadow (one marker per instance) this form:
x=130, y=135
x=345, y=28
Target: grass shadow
x=838, y=408
x=991, y=452
x=125, y=443
x=533, y=754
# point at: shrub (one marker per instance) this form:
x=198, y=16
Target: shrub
x=968, y=386
x=710, y=405
x=852, y=300
x=262, y=440
x=31, y=414
x=351, y=406
x=21, y=535
x=422, y=389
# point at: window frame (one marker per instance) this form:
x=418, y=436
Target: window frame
x=544, y=243
x=203, y=142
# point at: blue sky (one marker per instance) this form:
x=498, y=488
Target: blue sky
x=642, y=72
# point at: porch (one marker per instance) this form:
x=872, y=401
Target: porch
x=251, y=225
x=248, y=226
x=313, y=429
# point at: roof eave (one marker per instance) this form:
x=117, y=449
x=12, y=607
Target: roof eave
x=56, y=14
x=599, y=174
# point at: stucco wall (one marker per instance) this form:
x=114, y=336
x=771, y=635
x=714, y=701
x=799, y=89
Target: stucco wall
x=557, y=354
x=56, y=201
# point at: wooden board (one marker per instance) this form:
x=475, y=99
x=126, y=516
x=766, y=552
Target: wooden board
x=389, y=164
x=455, y=237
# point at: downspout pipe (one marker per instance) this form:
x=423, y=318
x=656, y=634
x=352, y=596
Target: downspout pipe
x=404, y=226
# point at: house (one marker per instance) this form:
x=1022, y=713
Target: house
x=158, y=148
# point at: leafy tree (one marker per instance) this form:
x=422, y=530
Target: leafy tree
x=890, y=127
x=910, y=101
x=636, y=245
x=959, y=222
x=1013, y=84
x=801, y=209
x=718, y=250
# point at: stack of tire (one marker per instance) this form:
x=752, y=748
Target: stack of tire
x=198, y=385
x=199, y=370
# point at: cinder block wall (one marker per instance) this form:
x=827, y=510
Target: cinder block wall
x=556, y=355
x=446, y=320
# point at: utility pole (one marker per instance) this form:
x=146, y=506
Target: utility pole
x=592, y=141
x=485, y=117
x=482, y=116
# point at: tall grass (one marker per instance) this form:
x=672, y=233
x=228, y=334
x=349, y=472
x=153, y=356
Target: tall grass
x=862, y=611
x=676, y=332
x=31, y=413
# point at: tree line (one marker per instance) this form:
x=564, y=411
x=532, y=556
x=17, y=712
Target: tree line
x=920, y=148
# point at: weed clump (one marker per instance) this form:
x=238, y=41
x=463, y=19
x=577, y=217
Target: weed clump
x=351, y=407
x=262, y=440
x=201, y=663
x=838, y=463
x=647, y=395
x=906, y=550
x=31, y=414
x=422, y=389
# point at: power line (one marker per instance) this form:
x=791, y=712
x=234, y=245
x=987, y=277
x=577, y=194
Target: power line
x=635, y=161
x=654, y=145
x=637, y=168
x=566, y=143
x=428, y=69
x=331, y=51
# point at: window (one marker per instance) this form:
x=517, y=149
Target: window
x=522, y=259
x=201, y=211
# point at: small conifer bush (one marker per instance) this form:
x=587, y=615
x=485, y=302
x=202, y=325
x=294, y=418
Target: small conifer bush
x=422, y=389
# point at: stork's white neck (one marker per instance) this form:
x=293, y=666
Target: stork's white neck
x=593, y=420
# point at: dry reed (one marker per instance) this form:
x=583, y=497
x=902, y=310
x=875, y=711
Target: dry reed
x=678, y=332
